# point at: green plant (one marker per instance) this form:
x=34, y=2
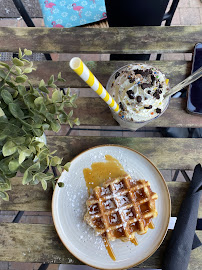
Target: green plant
x=25, y=113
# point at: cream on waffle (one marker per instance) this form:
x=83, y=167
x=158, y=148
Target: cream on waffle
x=121, y=208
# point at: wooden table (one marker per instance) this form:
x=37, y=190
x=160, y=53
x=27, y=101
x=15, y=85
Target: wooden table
x=40, y=243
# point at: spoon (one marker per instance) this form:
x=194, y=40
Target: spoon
x=193, y=77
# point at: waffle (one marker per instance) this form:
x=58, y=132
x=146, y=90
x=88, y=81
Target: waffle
x=121, y=208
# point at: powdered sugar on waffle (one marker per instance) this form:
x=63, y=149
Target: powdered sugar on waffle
x=131, y=207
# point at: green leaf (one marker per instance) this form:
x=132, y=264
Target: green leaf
x=4, y=196
x=39, y=101
x=2, y=74
x=24, y=154
x=59, y=168
x=70, y=114
x=20, y=53
x=53, y=85
x=55, y=126
x=15, y=94
x=44, y=184
x=62, y=117
x=40, y=144
x=5, y=65
x=4, y=183
x=42, y=83
x=18, y=70
x=70, y=123
x=60, y=184
x=2, y=137
x=44, y=89
x=60, y=78
x=55, y=161
x=9, y=148
x=59, y=75
x=43, y=154
x=19, y=140
x=34, y=167
x=27, y=177
x=21, y=79
x=57, y=96
x=15, y=110
x=1, y=112
x=28, y=70
x=52, y=108
x=66, y=166
x=51, y=80
x=7, y=97
x=22, y=90
x=17, y=62
x=25, y=165
x=13, y=165
x=37, y=132
x=27, y=52
x=76, y=121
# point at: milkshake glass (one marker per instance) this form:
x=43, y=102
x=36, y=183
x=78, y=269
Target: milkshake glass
x=138, y=89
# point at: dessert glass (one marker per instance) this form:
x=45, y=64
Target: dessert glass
x=124, y=123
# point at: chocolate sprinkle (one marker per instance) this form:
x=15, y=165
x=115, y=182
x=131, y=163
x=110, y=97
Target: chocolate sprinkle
x=149, y=91
x=130, y=94
x=131, y=80
x=157, y=94
x=116, y=75
x=121, y=106
x=152, y=78
x=139, y=99
x=158, y=110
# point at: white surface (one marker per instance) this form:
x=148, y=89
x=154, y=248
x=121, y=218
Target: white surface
x=69, y=208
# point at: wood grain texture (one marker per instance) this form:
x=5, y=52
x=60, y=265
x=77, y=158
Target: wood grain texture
x=165, y=153
x=40, y=243
x=176, y=71
x=101, y=40
x=33, y=198
x=95, y=112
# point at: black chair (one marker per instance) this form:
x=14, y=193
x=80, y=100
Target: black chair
x=131, y=13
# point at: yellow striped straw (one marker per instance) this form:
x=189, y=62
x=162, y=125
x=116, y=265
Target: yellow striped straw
x=81, y=69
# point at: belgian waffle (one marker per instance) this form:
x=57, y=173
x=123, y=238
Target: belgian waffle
x=121, y=208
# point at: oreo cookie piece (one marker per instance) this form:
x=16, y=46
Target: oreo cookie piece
x=130, y=94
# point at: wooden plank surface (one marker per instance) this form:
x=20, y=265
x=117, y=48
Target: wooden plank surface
x=40, y=243
x=33, y=198
x=101, y=40
x=165, y=153
x=176, y=71
x=95, y=112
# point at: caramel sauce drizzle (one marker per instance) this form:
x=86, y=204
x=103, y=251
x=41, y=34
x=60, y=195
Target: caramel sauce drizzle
x=109, y=248
x=102, y=171
x=134, y=241
x=151, y=225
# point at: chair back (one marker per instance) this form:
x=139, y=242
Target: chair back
x=130, y=13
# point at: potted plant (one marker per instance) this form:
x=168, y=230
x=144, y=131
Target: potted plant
x=25, y=113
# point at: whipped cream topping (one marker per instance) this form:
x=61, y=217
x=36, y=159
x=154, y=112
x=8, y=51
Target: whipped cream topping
x=139, y=91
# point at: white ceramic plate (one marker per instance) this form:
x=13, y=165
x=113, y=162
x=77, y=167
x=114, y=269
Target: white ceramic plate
x=68, y=209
